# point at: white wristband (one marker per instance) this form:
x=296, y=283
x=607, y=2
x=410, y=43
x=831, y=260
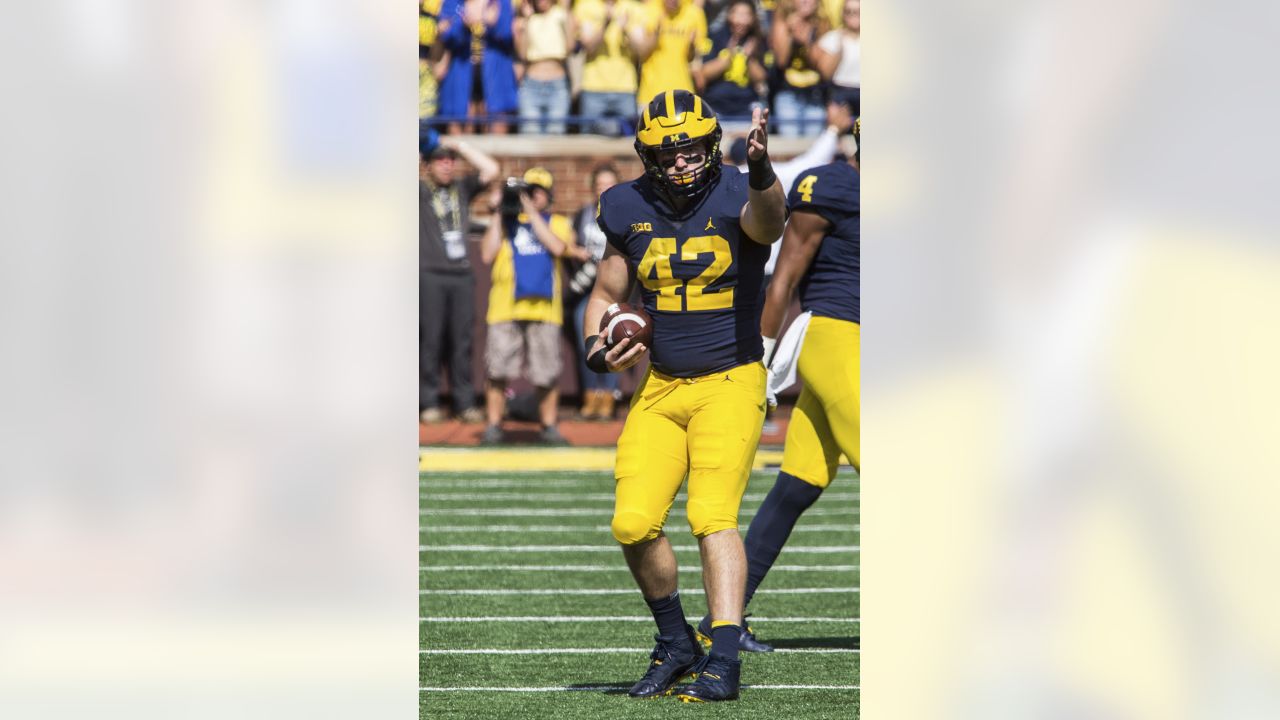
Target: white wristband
x=769, y=344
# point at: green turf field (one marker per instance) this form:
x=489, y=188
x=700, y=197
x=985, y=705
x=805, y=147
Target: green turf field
x=526, y=608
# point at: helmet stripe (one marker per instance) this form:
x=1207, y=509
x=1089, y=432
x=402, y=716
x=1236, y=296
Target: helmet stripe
x=671, y=104
x=697, y=106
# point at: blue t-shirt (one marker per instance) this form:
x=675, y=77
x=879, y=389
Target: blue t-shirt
x=831, y=286
x=700, y=275
x=533, y=265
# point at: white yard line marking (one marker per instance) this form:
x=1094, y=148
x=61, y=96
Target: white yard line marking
x=802, y=549
x=591, y=528
x=602, y=513
x=619, y=567
x=616, y=618
x=612, y=651
x=602, y=688
x=585, y=497
x=625, y=591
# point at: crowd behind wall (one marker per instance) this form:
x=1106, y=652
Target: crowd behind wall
x=563, y=66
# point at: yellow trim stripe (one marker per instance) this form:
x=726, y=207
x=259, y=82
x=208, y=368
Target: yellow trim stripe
x=671, y=104
x=697, y=106
x=434, y=459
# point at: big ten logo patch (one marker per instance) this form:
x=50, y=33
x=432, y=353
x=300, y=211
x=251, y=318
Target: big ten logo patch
x=641, y=227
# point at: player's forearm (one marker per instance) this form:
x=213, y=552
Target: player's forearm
x=596, y=305
x=777, y=300
x=768, y=213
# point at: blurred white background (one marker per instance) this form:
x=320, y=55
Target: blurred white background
x=207, y=305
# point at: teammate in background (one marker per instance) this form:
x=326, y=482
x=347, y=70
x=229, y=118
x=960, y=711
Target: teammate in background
x=697, y=240
x=820, y=256
x=823, y=149
x=525, y=310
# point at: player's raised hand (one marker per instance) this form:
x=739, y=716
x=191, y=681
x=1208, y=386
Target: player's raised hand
x=623, y=355
x=758, y=138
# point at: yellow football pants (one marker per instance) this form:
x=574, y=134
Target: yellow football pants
x=826, y=419
x=706, y=427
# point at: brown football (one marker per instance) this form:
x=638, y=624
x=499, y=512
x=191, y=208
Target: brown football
x=622, y=320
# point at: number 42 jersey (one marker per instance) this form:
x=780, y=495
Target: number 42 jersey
x=699, y=274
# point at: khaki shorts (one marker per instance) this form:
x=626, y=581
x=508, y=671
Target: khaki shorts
x=510, y=342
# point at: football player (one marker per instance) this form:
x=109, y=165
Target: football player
x=820, y=257
x=697, y=240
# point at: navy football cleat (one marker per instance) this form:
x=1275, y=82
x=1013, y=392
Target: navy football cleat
x=718, y=679
x=747, y=642
x=670, y=662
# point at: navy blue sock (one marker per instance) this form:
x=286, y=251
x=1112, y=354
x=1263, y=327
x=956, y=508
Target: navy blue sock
x=725, y=640
x=772, y=525
x=670, y=617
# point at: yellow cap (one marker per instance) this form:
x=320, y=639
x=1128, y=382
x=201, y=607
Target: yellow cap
x=539, y=176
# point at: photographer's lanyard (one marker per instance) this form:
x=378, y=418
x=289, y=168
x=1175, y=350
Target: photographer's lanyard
x=447, y=207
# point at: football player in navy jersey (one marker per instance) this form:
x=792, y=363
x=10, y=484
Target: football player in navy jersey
x=697, y=241
x=820, y=258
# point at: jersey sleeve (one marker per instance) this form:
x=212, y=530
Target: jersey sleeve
x=831, y=191
x=608, y=222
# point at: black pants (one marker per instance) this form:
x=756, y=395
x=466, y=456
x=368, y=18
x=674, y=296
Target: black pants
x=446, y=307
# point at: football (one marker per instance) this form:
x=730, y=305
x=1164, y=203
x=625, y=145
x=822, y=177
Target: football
x=622, y=321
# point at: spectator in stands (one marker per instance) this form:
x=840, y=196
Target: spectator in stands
x=733, y=71
x=599, y=390
x=667, y=40
x=433, y=59
x=609, y=71
x=481, y=79
x=799, y=105
x=839, y=58
x=544, y=38
x=524, y=244
x=446, y=287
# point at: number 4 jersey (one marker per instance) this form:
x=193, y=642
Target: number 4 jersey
x=700, y=275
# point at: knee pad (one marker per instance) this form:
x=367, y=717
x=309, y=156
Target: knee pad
x=703, y=522
x=633, y=528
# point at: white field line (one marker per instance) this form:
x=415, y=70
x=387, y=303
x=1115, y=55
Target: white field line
x=602, y=688
x=615, y=618
x=585, y=497
x=613, y=651
x=625, y=591
x=530, y=484
x=619, y=567
x=591, y=528
x=600, y=512
x=801, y=549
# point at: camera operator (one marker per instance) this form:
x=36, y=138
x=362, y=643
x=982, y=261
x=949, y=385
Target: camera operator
x=524, y=243
x=446, y=288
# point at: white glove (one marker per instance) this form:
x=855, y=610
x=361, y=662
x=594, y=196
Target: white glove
x=769, y=345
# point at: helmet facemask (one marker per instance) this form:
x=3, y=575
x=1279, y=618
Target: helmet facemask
x=679, y=119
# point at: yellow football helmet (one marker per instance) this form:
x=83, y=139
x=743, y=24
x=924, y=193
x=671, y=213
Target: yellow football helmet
x=676, y=119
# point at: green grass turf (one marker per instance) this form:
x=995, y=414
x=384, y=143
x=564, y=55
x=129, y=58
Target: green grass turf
x=614, y=671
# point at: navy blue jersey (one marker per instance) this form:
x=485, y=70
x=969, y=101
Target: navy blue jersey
x=699, y=274
x=831, y=286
